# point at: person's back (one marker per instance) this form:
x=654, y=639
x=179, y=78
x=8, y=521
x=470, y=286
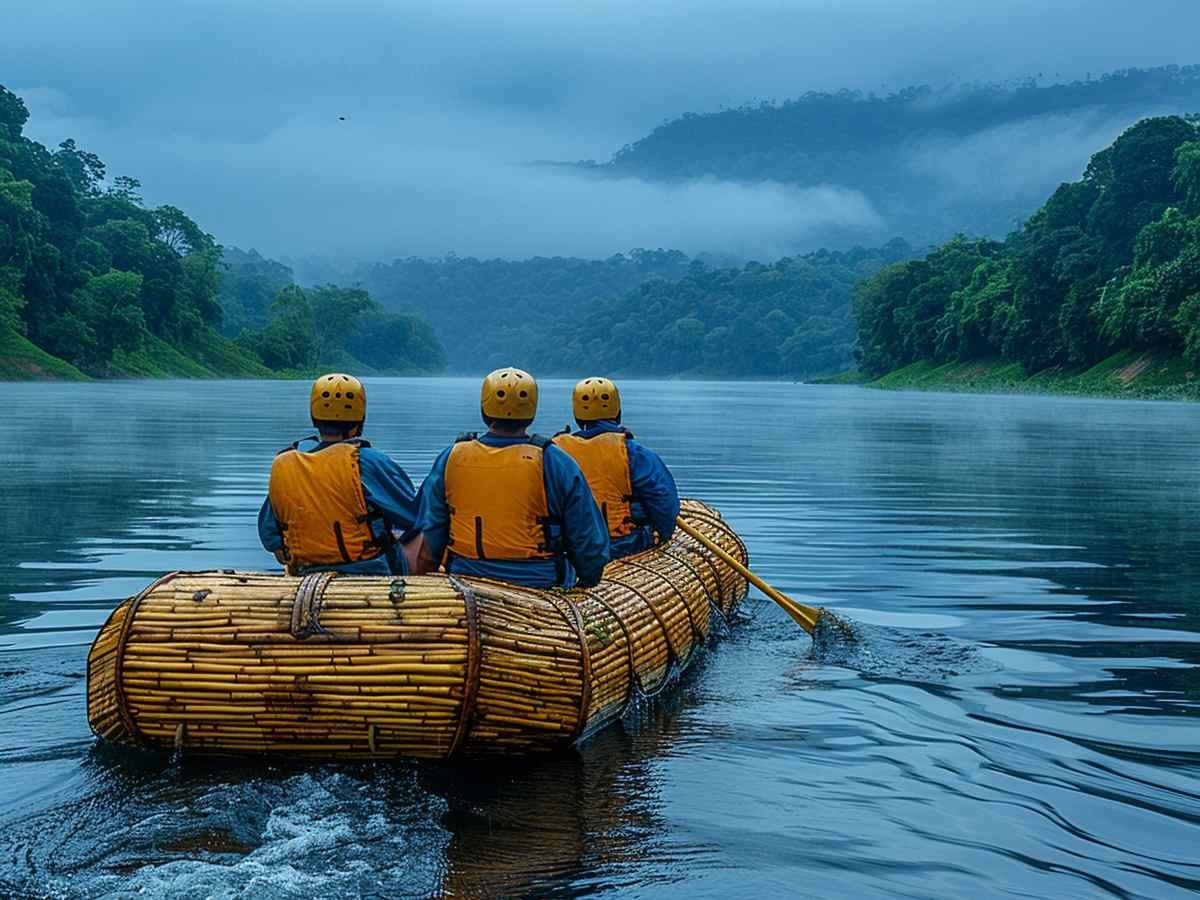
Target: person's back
x=633, y=486
x=510, y=505
x=334, y=506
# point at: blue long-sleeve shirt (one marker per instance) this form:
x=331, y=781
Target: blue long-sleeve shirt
x=655, y=497
x=584, y=535
x=387, y=488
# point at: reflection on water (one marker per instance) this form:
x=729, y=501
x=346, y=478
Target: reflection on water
x=1020, y=716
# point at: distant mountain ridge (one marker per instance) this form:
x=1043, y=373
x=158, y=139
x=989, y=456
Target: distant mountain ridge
x=976, y=158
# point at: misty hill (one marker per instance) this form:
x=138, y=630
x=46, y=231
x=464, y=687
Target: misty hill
x=976, y=159
x=642, y=313
x=490, y=312
x=1108, y=267
x=788, y=319
x=294, y=329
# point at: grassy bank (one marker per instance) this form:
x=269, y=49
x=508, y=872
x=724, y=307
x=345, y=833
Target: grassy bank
x=1127, y=374
x=209, y=356
x=21, y=360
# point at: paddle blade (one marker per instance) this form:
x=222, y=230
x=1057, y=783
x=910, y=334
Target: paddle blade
x=805, y=616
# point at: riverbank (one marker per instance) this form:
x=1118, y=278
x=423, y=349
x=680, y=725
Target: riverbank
x=22, y=360
x=1128, y=374
x=209, y=355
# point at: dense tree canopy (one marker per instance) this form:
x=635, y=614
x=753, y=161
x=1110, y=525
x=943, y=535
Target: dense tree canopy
x=490, y=312
x=1110, y=262
x=790, y=318
x=86, y=271
x=298, y=329
x=645, y=312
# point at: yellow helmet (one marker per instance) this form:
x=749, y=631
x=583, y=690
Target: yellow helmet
x=338, y=398
x=594, y=399
x=509, y=394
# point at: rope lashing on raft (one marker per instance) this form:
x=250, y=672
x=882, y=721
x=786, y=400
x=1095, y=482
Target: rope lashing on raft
x=574, y=620
x=466, y=711
x=697, y=637
x=306, y=609
x=122, y=701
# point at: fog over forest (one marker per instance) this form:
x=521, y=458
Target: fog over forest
x=371, y=130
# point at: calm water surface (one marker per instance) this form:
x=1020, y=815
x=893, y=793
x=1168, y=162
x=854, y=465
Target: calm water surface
x=1022, y=717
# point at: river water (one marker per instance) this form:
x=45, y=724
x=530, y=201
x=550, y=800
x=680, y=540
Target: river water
x=1020, y=718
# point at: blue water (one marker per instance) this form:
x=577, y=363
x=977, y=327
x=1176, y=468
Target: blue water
x=1021, y=716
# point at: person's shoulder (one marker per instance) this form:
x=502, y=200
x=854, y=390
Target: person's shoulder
x=650, y=455
x=377, y=459
x=636, y=446
x=375, y=456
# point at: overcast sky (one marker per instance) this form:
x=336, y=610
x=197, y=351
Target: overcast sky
x=230, y=109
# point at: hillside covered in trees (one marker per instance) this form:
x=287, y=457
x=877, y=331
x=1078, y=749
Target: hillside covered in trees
x=787, y=319
x=645, y=312
x=94, y=283
x=490, y=312
x=294, y=329
x=975, y=159
x=1110, y=264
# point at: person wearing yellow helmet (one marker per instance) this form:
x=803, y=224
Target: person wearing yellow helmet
x=510, y=505
x=634, y=487
x=337, y=505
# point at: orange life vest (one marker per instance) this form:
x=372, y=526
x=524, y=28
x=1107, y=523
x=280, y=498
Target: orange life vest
x=497, y=500
x=318, y=499
x=604, y=460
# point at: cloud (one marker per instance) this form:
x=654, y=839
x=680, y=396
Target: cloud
x=230, y=109
x=280, y=194
x=1029, y=157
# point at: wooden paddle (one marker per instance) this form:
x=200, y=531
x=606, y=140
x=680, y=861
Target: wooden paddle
x=806, y=616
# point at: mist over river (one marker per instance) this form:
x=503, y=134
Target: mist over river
x=1022, y=717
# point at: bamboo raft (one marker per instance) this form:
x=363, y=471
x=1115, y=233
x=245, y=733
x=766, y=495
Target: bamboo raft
x=429, y=666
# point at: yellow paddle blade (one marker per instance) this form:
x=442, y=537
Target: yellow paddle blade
x=805, y=616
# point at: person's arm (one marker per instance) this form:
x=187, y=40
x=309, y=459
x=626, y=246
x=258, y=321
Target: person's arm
x=269, y=532
x=654, y=487
x=388, y=488
x=570, y=500
x=433, y=516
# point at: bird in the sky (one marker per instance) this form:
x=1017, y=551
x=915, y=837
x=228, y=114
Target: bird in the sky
x=341, y=118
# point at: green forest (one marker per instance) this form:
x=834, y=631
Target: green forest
x=897, y=149
x=492, y=312
x=94, y=283
x=646, y=312
x=1109, y=265
x=787, y=319
x=294, y=329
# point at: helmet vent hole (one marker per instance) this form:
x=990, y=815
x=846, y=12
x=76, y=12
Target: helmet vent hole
x=349, y=395
x=524, y=394
x=604, y=396
x=325, y=394
x=500, y=393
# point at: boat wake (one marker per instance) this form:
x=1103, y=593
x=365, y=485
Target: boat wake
x=878, y=651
